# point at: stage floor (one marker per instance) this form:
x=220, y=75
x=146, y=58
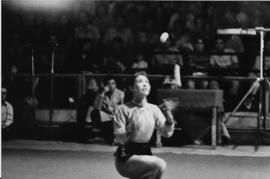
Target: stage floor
x=66, y=164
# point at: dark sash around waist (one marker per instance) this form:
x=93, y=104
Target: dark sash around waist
x=124, y=152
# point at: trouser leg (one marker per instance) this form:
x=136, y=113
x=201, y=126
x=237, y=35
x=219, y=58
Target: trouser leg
x=107, y=128
x=142, y=167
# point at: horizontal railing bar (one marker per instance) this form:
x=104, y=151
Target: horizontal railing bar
x=151, y=76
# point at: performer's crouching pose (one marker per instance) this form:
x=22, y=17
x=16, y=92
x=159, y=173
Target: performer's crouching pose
x=134, y=124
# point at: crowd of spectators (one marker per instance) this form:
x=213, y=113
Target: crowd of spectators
x=106, y=36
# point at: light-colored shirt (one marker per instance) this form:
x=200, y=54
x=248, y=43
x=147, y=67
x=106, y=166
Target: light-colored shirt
x=135, y=123
x=224, y=61
x=257, y=63
x=107, y=104
x=168, y=59
x=142, y=64
x=7, y=114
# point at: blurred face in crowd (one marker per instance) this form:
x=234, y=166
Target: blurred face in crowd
x=199, y=46
x=4, y=94
x=111, y=85
x=14, y=69
x=219, y=45
x=141, y=86
x=92, y=85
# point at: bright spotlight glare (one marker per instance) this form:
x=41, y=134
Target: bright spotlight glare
x=43, y=4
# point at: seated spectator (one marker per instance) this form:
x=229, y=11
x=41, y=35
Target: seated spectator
x=175, y=25
x=13, y=82
x=106, y=102
x=116, y=57
x=7, y=115
x=85, y=58
x=140, y=64
x=146, y=38
x=164, y=57
x=199, y=63
x=86, y=29
x=87, y=111
x=102, y=18
x=119, y=30
x=224, y=64
x=235, y=43
x=184, y=43
x=257, y=63
x=150, y=34
x=64, y=31
x=223, y=61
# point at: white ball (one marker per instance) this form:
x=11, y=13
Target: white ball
x=71, y=100
x=164, y=37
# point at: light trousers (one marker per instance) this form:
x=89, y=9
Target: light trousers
x=141, y=167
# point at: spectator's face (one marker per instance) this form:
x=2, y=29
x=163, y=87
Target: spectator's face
x=220, y=45
x=14, y=69
x=199, y=46
x=4, y=94
x=141, y=86
x=111, y=84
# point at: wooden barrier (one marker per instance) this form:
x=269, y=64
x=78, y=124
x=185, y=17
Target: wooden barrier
x=194, y=100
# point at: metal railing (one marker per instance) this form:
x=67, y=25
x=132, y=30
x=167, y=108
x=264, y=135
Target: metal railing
x=63, y=91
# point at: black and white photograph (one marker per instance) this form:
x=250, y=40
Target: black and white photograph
x=97, y=89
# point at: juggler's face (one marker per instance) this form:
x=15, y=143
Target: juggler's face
x=141, y=87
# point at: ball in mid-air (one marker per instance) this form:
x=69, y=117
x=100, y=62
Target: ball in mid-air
x=164, y=37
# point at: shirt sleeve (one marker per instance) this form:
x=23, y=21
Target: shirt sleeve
x=122, y=97
x=212, y=61
x=9, y=116
x=234, y=60
x=161, y=126
x=119, y=125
